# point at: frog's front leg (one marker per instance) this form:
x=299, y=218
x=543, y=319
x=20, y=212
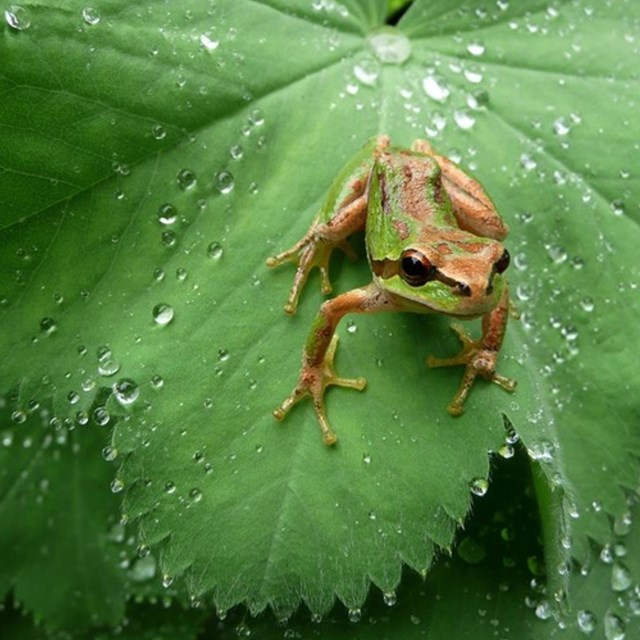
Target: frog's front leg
x=317, y=371
x=479, y=356
x=314, y=249
x=343, y=212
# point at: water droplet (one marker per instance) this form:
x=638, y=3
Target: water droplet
x=17, y=17
x=506, y=451
x=186, y=179
x=117, y=485
x=126, y=391
x=170, y=487
x=622, y=524
x=352, y=327
x=167, y=213
x=48, y=325
x=167, y=580
x=614, y=627
x=163, y=314
x=168, y=238
x=223, y=355
x=435, y=88
x=389, y=598
x=586, y=621
x=195, y=494
x=543, y=610
x=256, y=117
x=542, y=451
x=224, y=182
x=90, y=16
x=617, y=206
x=109, y=453
x=390, y=46
x=209, y=41
x=354, y=614
x=157, y=382
x=236, y=151
x=587, y=304
x=621, y=578
x=101, y=416
x=479, y=486
x=366, y=71
x=560, y=127
x=366, y=458
x=143, y=569
x=475, y=48
x=463, y=119
x=158, y=131
x=215, y=251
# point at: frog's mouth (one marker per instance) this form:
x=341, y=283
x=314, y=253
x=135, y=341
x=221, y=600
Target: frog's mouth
x=387, y=268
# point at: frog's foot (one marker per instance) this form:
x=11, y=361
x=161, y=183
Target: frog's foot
x=479, y=361
x=313, y=382
x=308, y=253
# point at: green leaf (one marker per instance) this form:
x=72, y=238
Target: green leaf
x=56, y=508
x=238, y=116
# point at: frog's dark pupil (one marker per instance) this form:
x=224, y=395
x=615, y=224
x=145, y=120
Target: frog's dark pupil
x=412, y=266
x=503, y=262
x=415, y=269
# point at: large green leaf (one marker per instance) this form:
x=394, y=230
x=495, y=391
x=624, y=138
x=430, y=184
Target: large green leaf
x=154, y=157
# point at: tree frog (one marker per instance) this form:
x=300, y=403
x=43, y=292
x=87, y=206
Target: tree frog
x=433, y=240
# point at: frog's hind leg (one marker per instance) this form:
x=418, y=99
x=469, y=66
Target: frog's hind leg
x=472, y=207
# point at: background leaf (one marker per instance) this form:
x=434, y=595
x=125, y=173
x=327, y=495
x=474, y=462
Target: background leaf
x=156, y=156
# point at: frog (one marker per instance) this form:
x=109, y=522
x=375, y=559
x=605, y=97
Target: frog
x=434, y=245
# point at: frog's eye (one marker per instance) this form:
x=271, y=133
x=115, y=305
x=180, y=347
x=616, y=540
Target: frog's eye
x=503, y=262
x=415, y=269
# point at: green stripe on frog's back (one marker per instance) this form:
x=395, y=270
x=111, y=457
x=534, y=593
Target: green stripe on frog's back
x=357, y=168
x=406, y=198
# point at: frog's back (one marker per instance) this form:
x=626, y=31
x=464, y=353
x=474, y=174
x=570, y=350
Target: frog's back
x=406, y=198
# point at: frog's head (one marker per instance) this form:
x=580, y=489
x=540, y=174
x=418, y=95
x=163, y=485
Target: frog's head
x=458, y=275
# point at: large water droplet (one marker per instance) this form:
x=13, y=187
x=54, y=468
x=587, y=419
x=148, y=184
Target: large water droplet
x=224, y=182
x=186, y=179
x=479, y=486
x=126, y=391
x=621, y=578
x=167, y=213
x=435, y=88
x=367, y=71
x=586, y=621
x=163, y=314
x=90, y=16
x=17, y=17
x=390, y=46
x=614, y=627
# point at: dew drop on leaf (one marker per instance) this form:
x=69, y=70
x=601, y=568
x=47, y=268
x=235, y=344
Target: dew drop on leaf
x=186, y=179
x=90, y=16
x=170, y=487
x=167, y=213
x=101, y=416
x=214, y=250
x=390, y=598
x=48, y=325
x=614, y=627
x=621, y=578
x=224, y=182
x=163, y=314
x=17, y=17
x=586, y=621
x=390, y=46
x=479, y=486
x=109, y=453
x=236, y=151
x=256, y=117
x=157, y=382
x=354, y=614
x=435, y=88
x=158, y=131
x=168, y=238
x=366, y=71
x=209, y=41
x=117, y=485
x=195, y=494
x=126, y=391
